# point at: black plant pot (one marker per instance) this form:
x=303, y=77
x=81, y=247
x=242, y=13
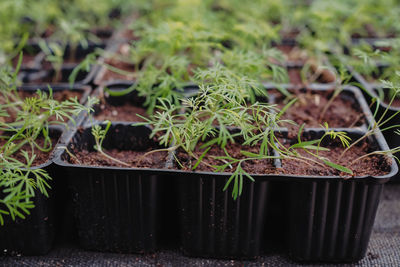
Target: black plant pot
x=116, y=209
x=35, y=234
x=325, y=218
x=319, y=214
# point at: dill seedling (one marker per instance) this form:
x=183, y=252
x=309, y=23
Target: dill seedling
x=31, y=118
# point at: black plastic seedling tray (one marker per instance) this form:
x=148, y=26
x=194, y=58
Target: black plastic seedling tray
x=35, y=234
x=116, y=209
x=326, y=218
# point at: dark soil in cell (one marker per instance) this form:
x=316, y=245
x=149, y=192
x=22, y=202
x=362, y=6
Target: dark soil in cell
x=373, y=165
x=126, y=112
x=41, y=156
x=264, y=166
x=135, y=159
x=309, y=107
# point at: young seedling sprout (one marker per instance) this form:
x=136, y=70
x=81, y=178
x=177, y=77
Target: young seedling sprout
x=99, y=134
x=344, y=78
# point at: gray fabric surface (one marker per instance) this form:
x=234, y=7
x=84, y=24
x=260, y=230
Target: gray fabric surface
x=384, y=248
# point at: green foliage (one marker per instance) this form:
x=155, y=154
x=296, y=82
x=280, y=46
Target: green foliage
x=224, y=47
x=99, y=135
x=22, y=122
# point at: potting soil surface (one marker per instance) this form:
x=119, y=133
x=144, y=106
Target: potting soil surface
x=134, y=159
x=251, y=166
x=383, y=250
x=126, y=112
x=375, y=165
x=309, y=107
x=41, y=156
